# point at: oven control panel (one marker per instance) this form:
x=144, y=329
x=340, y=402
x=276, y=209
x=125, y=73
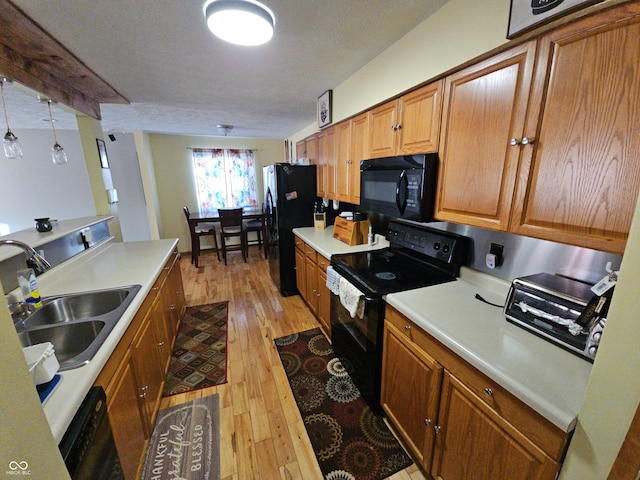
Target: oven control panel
x=443, y=246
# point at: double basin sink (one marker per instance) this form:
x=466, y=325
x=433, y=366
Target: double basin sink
x=76, y=324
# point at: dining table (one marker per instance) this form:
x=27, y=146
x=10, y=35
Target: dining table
x=248, y=213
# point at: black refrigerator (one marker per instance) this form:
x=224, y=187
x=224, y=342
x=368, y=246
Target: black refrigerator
x=290, y=195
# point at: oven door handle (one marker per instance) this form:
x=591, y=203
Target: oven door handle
x=402, y=204
x=366, y=299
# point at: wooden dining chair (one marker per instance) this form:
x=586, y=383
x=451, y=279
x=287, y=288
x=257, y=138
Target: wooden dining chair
x=231, y=226
x=197, y=231
x=257, y=225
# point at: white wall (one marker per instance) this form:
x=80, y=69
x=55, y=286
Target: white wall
x=34, y=187
x=458, y=32
x=175, y=182
x=125, y=174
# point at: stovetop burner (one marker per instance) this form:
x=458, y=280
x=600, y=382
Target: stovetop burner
x=387, y=276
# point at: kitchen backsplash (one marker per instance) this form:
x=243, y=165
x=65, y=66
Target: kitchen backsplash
x=523, y=255
x=526, y=256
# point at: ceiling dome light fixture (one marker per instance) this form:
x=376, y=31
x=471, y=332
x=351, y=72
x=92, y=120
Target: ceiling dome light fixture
x=224, y=129
x=243, y=22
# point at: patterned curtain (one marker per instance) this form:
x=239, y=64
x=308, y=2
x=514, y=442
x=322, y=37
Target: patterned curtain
x=224, y=178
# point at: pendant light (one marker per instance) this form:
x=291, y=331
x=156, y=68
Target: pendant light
x=11, y=144
x=243, y=22
x=58, y=155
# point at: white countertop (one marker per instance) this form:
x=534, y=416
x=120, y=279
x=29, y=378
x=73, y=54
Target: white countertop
x=547, y=378
x=34, y=239
x=109, y=265
x=323, y=242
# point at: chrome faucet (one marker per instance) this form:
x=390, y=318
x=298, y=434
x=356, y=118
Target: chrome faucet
x=34, y=259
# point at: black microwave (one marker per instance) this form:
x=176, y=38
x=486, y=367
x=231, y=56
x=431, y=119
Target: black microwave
x=401, y=187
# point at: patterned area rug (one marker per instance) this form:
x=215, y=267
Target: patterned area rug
x=185, y=443
x=199, y=357
x=349, y=440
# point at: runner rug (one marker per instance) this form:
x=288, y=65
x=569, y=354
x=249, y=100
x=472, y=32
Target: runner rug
x=185, y=442
x=349, y=440
x=199, y=357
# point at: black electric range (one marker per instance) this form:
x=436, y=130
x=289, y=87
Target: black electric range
x=417, y=256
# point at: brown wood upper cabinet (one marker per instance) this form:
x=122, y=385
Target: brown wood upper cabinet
x=552, y=152
x=352, y=147
x=485, y=106
x=326, y=173
x=308, y=148
x=580, y=177
x=408, y=125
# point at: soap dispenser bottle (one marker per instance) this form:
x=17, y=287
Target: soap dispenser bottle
x=29, y=287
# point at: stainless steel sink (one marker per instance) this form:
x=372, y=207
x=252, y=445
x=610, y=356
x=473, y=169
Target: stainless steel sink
x=70, y=340
x=77, y=324
x=69, y=308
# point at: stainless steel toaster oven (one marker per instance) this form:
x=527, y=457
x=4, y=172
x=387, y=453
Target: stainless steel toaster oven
x=560, y=310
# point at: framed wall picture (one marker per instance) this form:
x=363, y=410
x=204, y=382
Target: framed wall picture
x=324, y=109
x=102, y=151
x=525, y=15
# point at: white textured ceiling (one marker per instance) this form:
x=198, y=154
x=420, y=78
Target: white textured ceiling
x=180, y=79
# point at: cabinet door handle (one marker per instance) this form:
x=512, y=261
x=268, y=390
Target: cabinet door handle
x=514, y=142
x=407, y=327
x=161, y=344
x=488, y=392
x=437, y=428
x=427, y=421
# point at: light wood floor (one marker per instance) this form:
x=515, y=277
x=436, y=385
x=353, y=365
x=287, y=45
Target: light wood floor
x=262, y=433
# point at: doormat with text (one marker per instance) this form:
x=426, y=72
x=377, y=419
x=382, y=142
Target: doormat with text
x=185, y=443
x=350, y=442
x=199, y=357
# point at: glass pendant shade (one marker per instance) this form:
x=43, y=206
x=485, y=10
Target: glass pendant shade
x=12, y=147
x=58, y=155
x=10, y=143
x=242, y=22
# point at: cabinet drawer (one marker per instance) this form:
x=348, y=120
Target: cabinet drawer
x=310, y=253
x=300, y=243
x=323, y=262
x=552, y=440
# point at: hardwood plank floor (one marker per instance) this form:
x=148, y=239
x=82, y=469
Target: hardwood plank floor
x=262, y=435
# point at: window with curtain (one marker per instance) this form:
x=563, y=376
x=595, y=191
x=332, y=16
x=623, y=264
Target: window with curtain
x=225, y=178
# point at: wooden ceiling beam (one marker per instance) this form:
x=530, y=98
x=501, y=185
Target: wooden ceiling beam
x=32, y=57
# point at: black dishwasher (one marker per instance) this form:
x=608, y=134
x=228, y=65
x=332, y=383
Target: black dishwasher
x=87, y=447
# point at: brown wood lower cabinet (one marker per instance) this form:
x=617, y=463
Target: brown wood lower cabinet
x=134, y=375
x=125, y=416
x=457, y=423
x=324, y=295
x=311, y=280
x=148, y=367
